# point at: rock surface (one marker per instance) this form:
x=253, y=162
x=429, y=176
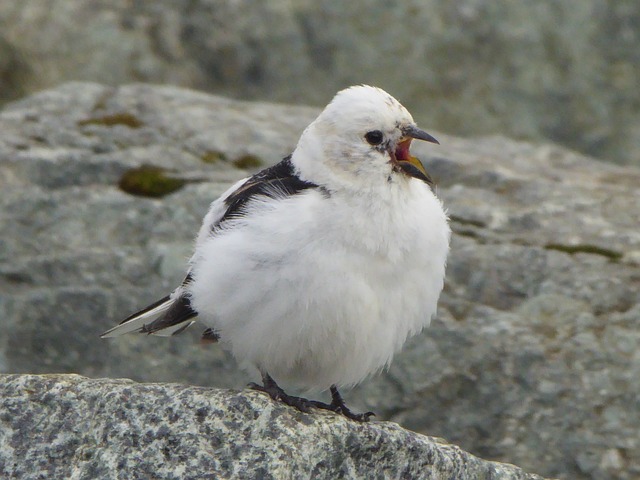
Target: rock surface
x=533, y=358
x=67, y=426
x=565, y=71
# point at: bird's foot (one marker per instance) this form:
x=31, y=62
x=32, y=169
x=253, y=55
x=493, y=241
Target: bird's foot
x=271, y=387
x=337, y=405
x=358, y=417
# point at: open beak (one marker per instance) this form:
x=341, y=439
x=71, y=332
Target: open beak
x=402, y=159
x=414, y=132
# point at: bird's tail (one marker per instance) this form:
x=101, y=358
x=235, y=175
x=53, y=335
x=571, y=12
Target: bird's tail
x=168, y=316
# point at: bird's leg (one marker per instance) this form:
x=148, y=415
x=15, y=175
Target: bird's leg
x=270, y=386
x=337, y=405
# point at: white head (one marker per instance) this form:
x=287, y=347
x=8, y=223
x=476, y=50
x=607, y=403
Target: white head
x=361, y=137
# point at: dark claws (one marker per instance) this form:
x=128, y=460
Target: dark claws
x=343, y=410
x=337, y=404
x=255, y=386
x=359, y=417
x=275, y=392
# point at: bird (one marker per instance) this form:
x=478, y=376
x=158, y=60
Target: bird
x=316, y=270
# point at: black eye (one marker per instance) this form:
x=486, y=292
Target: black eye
x=374, y=137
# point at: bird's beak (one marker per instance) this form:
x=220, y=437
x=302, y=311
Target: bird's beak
x=414, y=132
x=402, y=159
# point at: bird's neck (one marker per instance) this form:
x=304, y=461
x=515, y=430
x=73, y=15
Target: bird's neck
x=309, y=159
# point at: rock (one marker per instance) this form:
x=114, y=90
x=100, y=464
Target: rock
x=67, y=426
x=562, y=71
x=532, y=359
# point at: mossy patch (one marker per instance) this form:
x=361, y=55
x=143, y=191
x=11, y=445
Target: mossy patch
x=247, y=162
x=585, y=248
x=213, y=157
x=149, y=181
x=124, y=118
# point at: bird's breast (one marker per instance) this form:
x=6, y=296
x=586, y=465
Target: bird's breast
x=320, y=291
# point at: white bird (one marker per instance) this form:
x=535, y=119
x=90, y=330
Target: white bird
x=318, y=269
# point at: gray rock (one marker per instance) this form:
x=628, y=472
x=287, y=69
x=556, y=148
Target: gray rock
x=564, y=71
x=67, y=426
x=532, y=359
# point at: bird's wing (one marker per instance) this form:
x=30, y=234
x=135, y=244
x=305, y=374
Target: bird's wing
x=168, y=316
x=172, y=314
x=278, y=181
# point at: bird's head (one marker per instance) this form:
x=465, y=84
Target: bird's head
x=364, y=135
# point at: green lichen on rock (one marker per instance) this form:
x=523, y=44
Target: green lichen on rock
x=585, y=248
x=247, y=162
x=149, y=181
x=124, y=118
x=212, y=156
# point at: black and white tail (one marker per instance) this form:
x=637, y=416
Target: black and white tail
x=168, y=316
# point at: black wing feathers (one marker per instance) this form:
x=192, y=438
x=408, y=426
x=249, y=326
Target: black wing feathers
x=210, y=336
x=276, y=181
x=146, y=309
x=179, y=312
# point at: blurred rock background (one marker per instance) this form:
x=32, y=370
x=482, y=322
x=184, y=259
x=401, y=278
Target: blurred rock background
x=533, y=358
x=562, y=71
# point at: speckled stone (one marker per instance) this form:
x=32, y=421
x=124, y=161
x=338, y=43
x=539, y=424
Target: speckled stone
x=67, y=426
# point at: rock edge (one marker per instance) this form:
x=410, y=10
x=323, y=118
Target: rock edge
x=68, y=426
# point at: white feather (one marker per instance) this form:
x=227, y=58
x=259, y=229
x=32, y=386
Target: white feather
x=173, y=329
x=136, y=323
x=322, y=290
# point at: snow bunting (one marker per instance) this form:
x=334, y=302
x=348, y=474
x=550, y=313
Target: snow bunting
x=317, y=269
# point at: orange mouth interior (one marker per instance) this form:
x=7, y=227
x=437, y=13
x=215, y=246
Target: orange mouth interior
x=402, y=151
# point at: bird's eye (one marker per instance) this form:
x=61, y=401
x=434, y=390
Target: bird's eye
x=374, y=137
